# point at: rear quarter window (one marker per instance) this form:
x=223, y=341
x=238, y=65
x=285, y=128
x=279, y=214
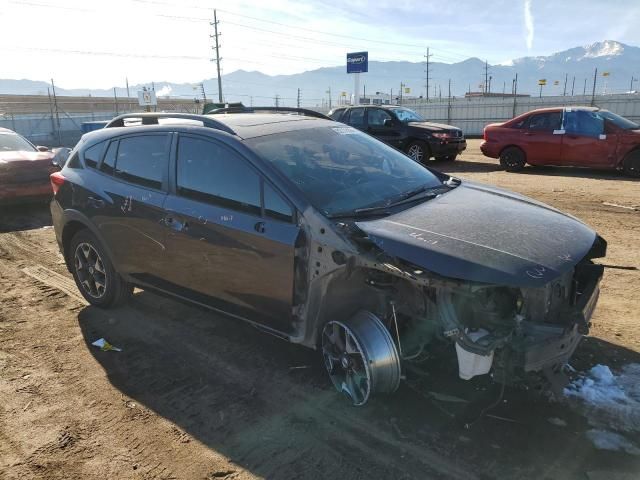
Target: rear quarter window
x=93, y=155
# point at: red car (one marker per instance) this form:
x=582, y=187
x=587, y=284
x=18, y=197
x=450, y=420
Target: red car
x=24, y=169
x=569, y=136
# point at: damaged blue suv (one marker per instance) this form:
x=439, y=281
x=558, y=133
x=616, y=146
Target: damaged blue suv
x=322, y=235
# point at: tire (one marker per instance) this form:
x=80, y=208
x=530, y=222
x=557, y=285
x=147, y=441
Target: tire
x=513, y=159
x=449, y=158
x=418, y=151
x=631, y=164
x=94, y=274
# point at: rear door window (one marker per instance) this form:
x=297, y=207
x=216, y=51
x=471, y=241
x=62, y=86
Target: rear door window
x=548, y=121
x=337, y=114
x=109, y=162
x=210, y=172
x=143, y=159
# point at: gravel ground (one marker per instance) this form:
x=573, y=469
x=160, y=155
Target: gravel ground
x=194, y=395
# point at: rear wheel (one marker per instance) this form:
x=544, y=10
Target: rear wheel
x=361, y=357
x=512, y=159
x=631, y=164
x=419, y=151
x=94, y=274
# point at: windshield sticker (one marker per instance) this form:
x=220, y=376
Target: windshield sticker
x=344, y=130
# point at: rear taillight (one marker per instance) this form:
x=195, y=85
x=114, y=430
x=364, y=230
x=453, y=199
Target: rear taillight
x=57, y=180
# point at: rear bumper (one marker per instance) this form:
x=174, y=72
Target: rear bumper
x=446, y=148
x=20, y=193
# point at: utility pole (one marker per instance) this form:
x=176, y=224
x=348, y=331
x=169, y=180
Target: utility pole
x=277, y=98
x=115, y=100
x=126, y=80
x=449, y=104
x=593, y=92
x=329, y=92
x=573, y=84
x=427, y=56
x=440, y=92
x=515, y=94
x=564, y=92
x=364, y=94
x=490, y=78
x=204, y=95
x=391, y=97
x=584, y=90
x=486, y=76
x=217, y=49
x=633, y=79
x=298, y=99
x=401, y=90
x=504, y=87
x=55, y=104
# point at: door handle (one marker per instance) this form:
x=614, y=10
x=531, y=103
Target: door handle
x=95, y=202
x=259, y=227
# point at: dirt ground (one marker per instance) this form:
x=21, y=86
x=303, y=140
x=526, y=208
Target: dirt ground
x=193, y=395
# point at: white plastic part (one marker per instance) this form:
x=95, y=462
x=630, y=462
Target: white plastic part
x=471, y=364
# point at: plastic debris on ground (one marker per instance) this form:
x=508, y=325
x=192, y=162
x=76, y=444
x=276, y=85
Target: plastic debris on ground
x=105, y=346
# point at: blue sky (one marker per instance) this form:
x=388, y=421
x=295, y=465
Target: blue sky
x=98, y=43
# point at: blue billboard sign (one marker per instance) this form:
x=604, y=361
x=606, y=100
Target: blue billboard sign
x=358, y=62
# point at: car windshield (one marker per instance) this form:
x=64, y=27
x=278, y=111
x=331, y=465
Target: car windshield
x=618, y=120
x=339, y=169
x=406, y=115
x=11, y=142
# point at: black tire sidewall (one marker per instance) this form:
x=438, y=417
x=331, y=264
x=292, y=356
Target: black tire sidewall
x=112, y=278
x=515, y=151
x=631, y=157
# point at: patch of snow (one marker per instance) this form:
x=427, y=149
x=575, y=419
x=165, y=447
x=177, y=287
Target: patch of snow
x=603, y=49
x=605, y=440
x=611, y=401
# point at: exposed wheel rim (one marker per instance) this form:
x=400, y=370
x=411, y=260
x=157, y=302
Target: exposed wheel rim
x=90, y=270
x=361, y=357
x=346, y=363
x=416, y=152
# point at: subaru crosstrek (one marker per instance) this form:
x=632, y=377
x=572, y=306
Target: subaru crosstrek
x=325, y=236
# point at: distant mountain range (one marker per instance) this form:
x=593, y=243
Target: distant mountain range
x=621, y=61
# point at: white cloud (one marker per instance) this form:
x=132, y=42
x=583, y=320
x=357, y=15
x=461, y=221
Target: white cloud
x=528, y=23
x=164, y=91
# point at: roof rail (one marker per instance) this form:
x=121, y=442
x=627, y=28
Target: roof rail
x=151, y=118
x=301, y=111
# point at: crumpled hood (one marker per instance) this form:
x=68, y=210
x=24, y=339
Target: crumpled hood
x=433, y=126
x=485, y=234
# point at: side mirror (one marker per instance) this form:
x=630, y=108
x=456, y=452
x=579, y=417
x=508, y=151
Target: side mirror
x=42, y=148
x=388, y=123
x=60, y=156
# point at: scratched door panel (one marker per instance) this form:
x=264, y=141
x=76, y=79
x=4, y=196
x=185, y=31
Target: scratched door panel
x=130, y=220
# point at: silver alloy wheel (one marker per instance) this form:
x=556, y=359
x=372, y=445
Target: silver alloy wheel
x=90, y=270
x=416, y=152
x=361, y=357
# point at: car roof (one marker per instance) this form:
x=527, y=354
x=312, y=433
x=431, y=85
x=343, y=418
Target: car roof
x=7, y=130
x=559, y=109
x=242, y=125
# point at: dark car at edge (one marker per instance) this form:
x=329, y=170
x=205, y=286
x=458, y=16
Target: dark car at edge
x=324, y=236
x=405, y=130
